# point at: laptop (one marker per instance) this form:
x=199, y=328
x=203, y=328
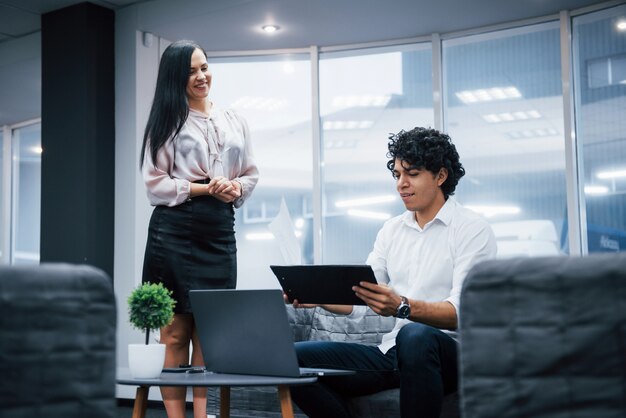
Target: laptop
x=323, y=284
x=248, y=332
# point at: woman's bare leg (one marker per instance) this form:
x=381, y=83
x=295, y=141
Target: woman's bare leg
x=199, y=393
x=176, y=337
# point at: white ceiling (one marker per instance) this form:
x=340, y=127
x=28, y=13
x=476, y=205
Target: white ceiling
x=234, y=25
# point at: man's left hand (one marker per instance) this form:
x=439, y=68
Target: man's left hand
x=380, y=298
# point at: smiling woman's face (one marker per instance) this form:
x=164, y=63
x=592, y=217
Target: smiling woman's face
x=199, y=82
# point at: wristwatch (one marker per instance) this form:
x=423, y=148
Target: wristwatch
x=404, y=310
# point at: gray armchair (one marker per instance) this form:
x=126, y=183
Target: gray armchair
x=544, y=338
x=57, y=342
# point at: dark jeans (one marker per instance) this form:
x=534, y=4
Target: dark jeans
x=423, y=364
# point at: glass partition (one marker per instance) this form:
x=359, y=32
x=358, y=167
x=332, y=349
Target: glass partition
x=599, y=46
x=503, y=109
x=364, y=96
x=3, y=199
x=26, y=145
x=273, y=93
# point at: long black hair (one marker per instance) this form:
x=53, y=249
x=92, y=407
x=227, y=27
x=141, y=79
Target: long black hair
x=429, y=149
x=170, y=106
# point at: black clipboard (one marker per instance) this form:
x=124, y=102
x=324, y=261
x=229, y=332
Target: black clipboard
x=323, y=284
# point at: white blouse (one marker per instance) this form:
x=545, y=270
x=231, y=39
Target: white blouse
x=205, y=147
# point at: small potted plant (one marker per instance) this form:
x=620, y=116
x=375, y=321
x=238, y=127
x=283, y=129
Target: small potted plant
x=150, y=307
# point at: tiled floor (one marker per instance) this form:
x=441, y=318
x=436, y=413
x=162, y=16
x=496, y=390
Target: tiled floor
x=126, y=411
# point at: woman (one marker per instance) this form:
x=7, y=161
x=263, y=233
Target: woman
x=197, y=165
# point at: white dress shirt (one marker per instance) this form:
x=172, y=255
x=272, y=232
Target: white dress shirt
x=205, y=147
x=430, y=264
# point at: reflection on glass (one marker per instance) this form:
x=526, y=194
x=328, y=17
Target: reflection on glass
x=600, y=87
x=274, y=95
x=26, y=145
x=2, y=196
x=503, y=110
x=364, y=96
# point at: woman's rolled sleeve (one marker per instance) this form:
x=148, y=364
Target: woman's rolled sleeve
x=162, y=189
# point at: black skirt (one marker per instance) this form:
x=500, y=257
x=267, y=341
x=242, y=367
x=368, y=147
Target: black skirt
x=191, y=246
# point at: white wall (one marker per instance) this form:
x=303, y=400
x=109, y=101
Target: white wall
x=136, y=68
x=20, y=65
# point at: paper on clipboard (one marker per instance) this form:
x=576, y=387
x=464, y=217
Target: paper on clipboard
x=285, y=235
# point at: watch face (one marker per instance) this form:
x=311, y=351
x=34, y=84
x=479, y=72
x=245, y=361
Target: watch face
x=404, y=311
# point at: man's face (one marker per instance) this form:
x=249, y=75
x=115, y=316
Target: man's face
x=419, y=189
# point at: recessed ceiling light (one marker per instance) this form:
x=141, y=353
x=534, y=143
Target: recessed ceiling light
x=270, y=28
x=621, y=25
x=368, y=214
x=489, y=211
x=612, y=174
x=596, y=190
x=487, y=95
x=365, y=201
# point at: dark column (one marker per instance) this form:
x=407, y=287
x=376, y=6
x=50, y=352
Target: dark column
x=78, y=136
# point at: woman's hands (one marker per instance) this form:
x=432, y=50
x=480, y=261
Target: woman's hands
x=223, y=189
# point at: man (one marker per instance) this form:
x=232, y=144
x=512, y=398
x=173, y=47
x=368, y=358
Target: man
x=420, y=260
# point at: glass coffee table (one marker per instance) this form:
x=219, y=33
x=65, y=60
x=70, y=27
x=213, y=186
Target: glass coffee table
x=207, y=379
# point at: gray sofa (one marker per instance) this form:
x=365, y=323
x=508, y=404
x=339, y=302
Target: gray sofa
x=544, y=338
x=363, y=326
x=57, y=342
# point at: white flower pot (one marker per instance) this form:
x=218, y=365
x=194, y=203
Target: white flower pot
x=146, y=360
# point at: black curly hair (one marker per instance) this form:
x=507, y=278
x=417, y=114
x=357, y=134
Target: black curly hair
x=429, y=149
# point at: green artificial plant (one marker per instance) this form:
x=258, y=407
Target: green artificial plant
x=151, y=307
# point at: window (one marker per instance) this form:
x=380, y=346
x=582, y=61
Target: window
x=25, y=199
x=600, y=124
x=273, y=93
x=602, y=72
x=4, y=201
x=364, y=96
x=503, y=110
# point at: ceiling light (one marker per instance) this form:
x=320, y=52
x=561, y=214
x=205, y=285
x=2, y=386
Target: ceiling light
x=506, y=117
x=533, y=133
x=365, y=201
x=612, y=174
x=487, y=95
x=533, y=114
x=621, y=25
x=363, y=100
x=288, y=68
x=258, y=236
x=264, y=236
x=596, y=190
x=370, y=215
x=347, y=124
x=491, y=118
x=340, y=143
x=511, y=116
x=489, y=211
x=259, y=103
x=270, y=28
